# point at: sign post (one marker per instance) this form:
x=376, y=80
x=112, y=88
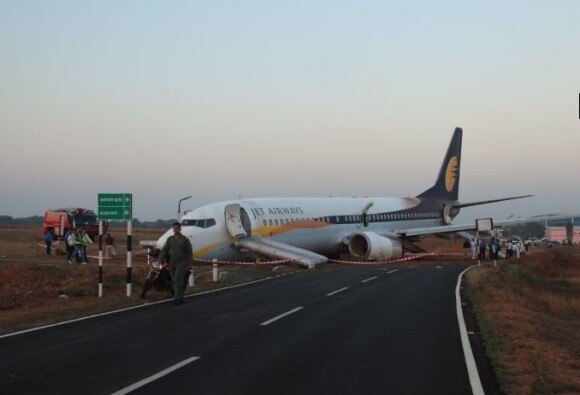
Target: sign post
x=117, y=206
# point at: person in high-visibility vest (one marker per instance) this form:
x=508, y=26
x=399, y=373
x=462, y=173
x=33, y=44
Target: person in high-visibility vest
x=85, y=240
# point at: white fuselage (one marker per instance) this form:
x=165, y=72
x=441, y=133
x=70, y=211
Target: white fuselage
x=315, y=224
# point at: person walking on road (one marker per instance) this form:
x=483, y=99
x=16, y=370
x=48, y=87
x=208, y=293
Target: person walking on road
x=180, y=252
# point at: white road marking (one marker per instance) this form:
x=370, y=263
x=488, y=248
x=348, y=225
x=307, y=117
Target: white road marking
x=392, y=271
x=156, y=376
x=369, y=279
x=281, y=316
x=138, y=307
x=474, y=380
x=337, y=291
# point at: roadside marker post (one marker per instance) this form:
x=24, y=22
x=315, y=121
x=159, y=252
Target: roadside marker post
x=100, y=258
x=117, y=206
x=215, y=271
x=129, y=256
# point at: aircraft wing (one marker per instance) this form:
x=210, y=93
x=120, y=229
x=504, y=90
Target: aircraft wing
x=278, y=250
x=466, y=227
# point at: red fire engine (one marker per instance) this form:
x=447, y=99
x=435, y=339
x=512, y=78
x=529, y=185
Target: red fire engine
x=63, y=219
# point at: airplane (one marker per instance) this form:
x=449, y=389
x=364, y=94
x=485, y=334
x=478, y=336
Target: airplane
x=308, y=231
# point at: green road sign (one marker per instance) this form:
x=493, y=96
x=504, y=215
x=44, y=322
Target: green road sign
x=116, y=206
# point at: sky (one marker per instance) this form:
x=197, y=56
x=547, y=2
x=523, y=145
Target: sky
x=228, y=99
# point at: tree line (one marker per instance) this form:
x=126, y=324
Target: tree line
x=36, y=220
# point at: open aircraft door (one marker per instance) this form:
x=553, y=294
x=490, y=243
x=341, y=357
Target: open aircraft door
x=237, y=221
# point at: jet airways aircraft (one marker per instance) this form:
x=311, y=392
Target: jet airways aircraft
x=309, y=230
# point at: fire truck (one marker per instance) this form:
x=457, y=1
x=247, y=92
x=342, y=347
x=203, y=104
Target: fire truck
x=61, y=220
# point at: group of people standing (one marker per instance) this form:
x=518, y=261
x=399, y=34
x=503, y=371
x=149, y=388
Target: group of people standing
x=478, y=248
x=77, y=241
x=514, y=249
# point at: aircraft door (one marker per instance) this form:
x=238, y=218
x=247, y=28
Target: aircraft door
x=246, y=222
x=365, y=213
x=237, y=221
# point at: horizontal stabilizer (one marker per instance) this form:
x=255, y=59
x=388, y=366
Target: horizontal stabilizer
x=462, y=205
x=437, y=230
x=278, y=250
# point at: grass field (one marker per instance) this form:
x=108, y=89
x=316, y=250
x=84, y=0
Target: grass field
x=529, y=315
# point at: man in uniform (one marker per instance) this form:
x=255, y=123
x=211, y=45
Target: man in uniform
x=180, y=252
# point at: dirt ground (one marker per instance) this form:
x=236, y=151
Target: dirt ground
x=37, y=289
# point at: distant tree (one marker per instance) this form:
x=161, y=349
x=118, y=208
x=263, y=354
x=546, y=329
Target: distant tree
x=34, y=220
x=160, y=223
x=6, y=220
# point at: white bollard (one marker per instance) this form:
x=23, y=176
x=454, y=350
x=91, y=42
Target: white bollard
x=191, y=279
x=215, y=271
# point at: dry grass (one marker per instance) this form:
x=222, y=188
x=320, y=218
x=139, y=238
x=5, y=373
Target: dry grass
x=37, y=289
x=528, y=312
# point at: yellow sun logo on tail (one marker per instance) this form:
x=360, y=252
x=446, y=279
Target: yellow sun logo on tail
x=451, y=174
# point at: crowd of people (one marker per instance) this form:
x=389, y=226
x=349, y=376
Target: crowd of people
x=76, y=241
x=493, y=246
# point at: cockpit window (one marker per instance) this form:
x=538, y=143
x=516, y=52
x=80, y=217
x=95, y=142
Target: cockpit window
x=200, y=223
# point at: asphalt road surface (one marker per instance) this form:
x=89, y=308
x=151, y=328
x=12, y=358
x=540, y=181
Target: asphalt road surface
x=351, y=330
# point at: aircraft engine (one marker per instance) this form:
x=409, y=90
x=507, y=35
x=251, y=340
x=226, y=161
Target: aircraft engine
x=371, y=246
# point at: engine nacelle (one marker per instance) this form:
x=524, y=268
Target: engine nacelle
x=371, y=246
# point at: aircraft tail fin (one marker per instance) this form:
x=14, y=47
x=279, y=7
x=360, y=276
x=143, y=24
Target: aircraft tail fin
x=447, y=185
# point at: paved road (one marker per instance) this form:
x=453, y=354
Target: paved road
x=382, y=330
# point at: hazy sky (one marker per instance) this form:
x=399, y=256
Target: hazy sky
x=299, y=98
